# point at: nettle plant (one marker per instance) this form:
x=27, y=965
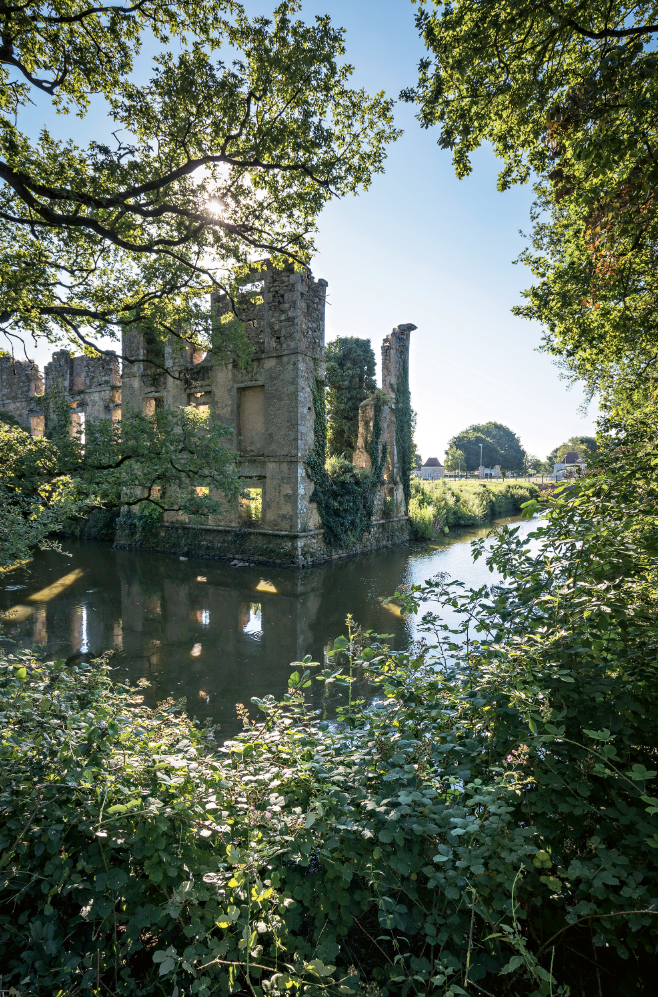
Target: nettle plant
x=482, y=823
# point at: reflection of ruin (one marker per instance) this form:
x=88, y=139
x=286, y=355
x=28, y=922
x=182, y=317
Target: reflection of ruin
x=270, y=407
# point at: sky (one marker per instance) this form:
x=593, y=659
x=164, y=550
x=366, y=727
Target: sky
x=421, y=246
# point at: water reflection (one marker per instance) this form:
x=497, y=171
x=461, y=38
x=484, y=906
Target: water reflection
x=210, y=632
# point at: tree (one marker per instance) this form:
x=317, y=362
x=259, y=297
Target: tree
x=174, y=461
x=455, y=459
x=212, y=164
x=568, y=94
x=499, y=446
x=350, y=375
x=583, y=445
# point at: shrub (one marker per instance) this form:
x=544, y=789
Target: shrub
x=464, y=503
x=485, y=825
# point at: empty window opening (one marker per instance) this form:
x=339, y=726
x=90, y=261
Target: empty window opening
x=154, y=348
x=200, y=400
x=251, y=504
x=253, y=287
x=78, y=426
x=149, y=405
x=37, y=425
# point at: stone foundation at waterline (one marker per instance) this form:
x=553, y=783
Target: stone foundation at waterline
x=295, y=550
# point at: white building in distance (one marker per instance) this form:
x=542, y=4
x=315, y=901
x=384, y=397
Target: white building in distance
x=432, y=470
x=570, y=467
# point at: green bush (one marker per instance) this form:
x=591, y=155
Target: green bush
x=463, y=503
x=486, y=824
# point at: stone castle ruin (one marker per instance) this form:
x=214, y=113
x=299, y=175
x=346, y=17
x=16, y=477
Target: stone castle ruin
x=270, y=405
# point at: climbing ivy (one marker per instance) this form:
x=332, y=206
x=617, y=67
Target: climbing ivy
x=404, y=430
x=345, y=497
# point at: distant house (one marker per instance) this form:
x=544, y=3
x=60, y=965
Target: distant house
x=431, y=470
x=489, y=472
x=570, y=467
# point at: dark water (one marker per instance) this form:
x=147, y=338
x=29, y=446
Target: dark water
x=212, y=633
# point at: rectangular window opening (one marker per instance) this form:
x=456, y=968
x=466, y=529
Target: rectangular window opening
x=37, y=425
x=149, y=405
x=251, y=504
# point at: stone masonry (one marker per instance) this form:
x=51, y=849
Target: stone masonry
x=21, y=385
x=91, y=386
x=395, y=355
x=269, y=405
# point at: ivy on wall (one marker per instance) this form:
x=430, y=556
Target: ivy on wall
x=404, y=431
x=345, y=497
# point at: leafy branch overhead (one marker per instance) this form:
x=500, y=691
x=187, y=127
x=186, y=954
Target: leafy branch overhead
x=212, y=164
x=567, y=95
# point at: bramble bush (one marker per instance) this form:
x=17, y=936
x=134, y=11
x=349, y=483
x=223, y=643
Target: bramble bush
x=485, y=824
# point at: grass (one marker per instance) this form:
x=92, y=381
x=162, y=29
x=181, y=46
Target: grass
x=437, y=505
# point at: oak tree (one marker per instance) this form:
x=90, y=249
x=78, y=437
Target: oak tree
x=214, y=163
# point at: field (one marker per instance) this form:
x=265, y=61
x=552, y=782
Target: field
x=437, y=505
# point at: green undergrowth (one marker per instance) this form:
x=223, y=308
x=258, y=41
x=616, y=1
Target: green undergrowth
x=344, y=495
x=486, y=822
x=435, y=505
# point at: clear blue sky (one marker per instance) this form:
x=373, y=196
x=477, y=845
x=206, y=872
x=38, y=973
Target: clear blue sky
x=422, y=247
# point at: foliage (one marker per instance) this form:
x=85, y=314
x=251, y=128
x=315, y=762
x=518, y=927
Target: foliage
x=405, y=424
x=210, y=165
x=499, y=446
x=583, y=445
x=350, y=376
x=568, y=94
x=436, y=505
x=486, y=823
x=155, y=463
x=455, y=460
x=345, y=497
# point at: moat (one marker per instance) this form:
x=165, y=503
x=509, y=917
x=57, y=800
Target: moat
x=213, y=633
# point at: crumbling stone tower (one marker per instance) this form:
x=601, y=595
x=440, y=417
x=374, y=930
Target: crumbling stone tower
x=269, y=405
x=394, y=365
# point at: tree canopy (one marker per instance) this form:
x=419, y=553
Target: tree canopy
x=566, y=94
x=350, y=375
x=583, y=445
x=211, y=164
x=499, y=446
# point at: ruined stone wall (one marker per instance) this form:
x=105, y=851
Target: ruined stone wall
x=395, y=356
x=91, y=385
x=260, y=546
x=268, y=404
x=21, y=384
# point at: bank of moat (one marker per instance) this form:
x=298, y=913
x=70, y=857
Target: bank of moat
x=270, y=406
